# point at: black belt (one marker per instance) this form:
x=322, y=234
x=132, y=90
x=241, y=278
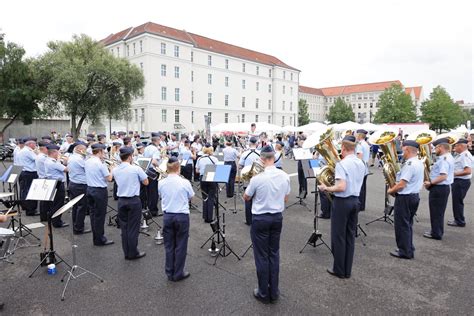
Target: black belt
x=105, y=188
x=410, y=194
x=346, y=197
x=128, y=197
x=29, y=171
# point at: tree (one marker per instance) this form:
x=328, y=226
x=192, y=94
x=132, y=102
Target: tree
x=303, y=115
x=395, y=106
x=441, y=111
x=20, y=91
x=85, y=81
x=340, y=112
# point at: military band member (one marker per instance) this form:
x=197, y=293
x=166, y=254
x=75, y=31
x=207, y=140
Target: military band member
x=97, y=176
x=230, y=157
x=302, y=182
x=152, y=151
x=40, y=159
x=269, y=191
x=187, y=157
x=349, y=175
x=20, y=144
x=176, y=193
x=407, y=199
x=46, y=139
x=77, y=186
x=65, y=146
x=27, y=159
x=128, y=178
x=462, y=181
x=209, y=189
x=247, y=158
x=55, y=170
x=441, y=177
x=363, y=153
x=279, y=145
x=197, y=148
x=173, y=146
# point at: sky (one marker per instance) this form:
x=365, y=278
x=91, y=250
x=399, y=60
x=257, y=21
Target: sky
x=333, y=43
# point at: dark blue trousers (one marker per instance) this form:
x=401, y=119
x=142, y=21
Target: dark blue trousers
x=25, y=180
x=302, y=182
x=97, y=203
x=78, y=210
x=325, y=205
x=152, y=194
x=343, y=232
x=265, y=233
x=438, y=199
x=362, y=194
x=459, y=189
x=248, y=212
x=405, y=209
x=210, y=189
x=56, y=204
x=175, y=237
x=130, y=214
x=230, y=186
x=187, y=171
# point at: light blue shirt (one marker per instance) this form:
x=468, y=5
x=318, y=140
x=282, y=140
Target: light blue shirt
x=40, y=165
x=278, y=159
x=352, y=170
x=463, y=160
x=150, y=150
x=412, y=172
x=248, y=157
x=54, y=169
x=364, y=148
x=15, y=155
x=27, y=159
x=203, y=161
x=128, y=179
x=230, y=153
x=186, y=155
x=444, y=165
x=268, y=190
x=175, y=194
x=96, y=173
x=76, y=167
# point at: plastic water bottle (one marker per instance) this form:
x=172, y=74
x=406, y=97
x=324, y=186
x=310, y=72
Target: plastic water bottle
x=51, y=269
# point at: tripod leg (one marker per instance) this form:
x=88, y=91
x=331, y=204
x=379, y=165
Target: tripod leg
x=39, y=265
x=67, y=283
x=248, y=248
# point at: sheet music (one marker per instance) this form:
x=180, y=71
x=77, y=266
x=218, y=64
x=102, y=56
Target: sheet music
x=184, y=162
x=210, y=176
x=42, y=190
x=12, y=178
x=302, y=153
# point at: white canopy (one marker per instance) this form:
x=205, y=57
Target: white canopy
x=245, y=127
x=371, y=127
x=315, y=126
x=346, y=126
x=291, y=128
x=267, y=127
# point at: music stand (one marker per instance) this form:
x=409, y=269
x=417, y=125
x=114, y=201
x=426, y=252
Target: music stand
x=75, y=267
x=310, y=170
x=304, y=162
x=387, y=211
x=218, y=174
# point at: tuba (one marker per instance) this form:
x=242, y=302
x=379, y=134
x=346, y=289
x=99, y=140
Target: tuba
x=452, y=138
x=424, y=140
x=385, y=139
x=248, y=172
x=326, y=148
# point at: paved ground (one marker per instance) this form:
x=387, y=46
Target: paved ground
x=438, y=281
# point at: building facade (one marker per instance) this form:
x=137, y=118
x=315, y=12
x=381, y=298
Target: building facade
x=188, y=77
x=362, y=97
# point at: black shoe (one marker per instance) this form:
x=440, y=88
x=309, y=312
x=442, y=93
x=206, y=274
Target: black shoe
x=36, y=213
x=455, y=224
x=397, y=254
x=62, y=225
x=248, y=224
x=105, y=243
x=85, y=231
x=323, y=216
x=331, y=272
x=185, y=275
x=430, y=236
x=256, y=294
x=141, y=254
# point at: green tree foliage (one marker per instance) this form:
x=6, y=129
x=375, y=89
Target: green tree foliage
x=340, y=112
x=395, y=106
x=303, y=115
x=86, y=82
x=441, y=112
x=20, y=91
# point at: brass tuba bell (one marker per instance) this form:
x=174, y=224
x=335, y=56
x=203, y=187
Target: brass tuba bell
x=385, y=139
x=424, y=139
x=325, y=147
x=248, y=172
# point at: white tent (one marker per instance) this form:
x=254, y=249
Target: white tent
x=267, y=127
x=371, y=127
x=346, y=126
x=291, y=128
x=315, y=126
x=230, y=127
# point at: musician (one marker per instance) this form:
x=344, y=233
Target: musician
x=187, y=157
x=54, y=169
x=101, y=138
x=97, y=176
x=77, y=186
x=197, y=148
x=363, y=153
x=209, y=189
x=279, y=145
x=136, y=140
x=46, y=139
x=120, y=136
x=462, y=181
x=40, y=159
x=441, y=177
x=27, y=159
x=176, y=194
x=152, y=151
x=302, y=182
x=65, y=146
x=140, y=150
x=269, y=191
x=173, y=146
x=253, y=132
x=20, y=144
x=323, y=196
x=407, y=199
x=247, y=159
x=349, y=175
x=230, y=157
x=128, y=178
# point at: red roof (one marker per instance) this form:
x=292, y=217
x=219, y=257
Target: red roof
x=309, y=90
x=197, y=41
x=416, y=90
x=359, y=88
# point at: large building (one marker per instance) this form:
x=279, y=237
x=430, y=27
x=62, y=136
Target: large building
x=362, y=97
x=189, y=76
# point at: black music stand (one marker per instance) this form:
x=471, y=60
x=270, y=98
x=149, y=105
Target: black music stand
x=387, y=212
x=218, y=174
x=310, y=169
x=45, y=190
x=304, y=162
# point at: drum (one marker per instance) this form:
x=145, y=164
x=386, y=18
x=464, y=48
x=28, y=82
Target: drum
x=6, y=236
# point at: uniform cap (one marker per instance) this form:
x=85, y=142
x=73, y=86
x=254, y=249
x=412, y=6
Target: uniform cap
x=462, y=141
x=46, y=137
x=42, y=144
x=267, y=149
x=441, y=141
x=349, y=138
x=140, y=145
x=253, y=140
x=117, y=144
x=410, y=143
x=52, y=147
x=126, y=150
x=98, y=146
x=172, y=160
x=361, y=131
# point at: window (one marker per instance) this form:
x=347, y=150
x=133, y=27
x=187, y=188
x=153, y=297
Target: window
x=163, y=93
x=226, y=64
x=269, y=73
x=243, y=67
x=176, y=94
x=291, y=120
x=256, y=103
x=118, y=51
x=257, y=85
x=209, y=78
x=257, y=70
x=142, y=118
x=270, y=88
x=353, y=97
x=291, y=76
x=192, y=56
x=141, y=47
x=176, y=116
x=243, y=118
x=284, y=89
x=176, y=71
x=209, y=115
x=284, y=74
x=283, y=120
x=209, y=98
x=371, y=105
x=243, y=102
x=365, y=105
x=209, y=60
x=128, y=50
x=291, y=106
x=269, y=104
x=163, y=49
x=176, y=51
x=269, y=119
x=163, y=70
x=256, y=118
x=192, y=117
x=243, y=84
x=365, y=96
x=141, y=66
x=134, y=50
x=136, y=115
x=283, y=105
x=192, y=96
x=291, y=90
x=226, y=117
x=192, y=75
x=226, y=81
x=163, y=115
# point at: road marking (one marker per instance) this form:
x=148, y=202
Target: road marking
x=293, y=174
